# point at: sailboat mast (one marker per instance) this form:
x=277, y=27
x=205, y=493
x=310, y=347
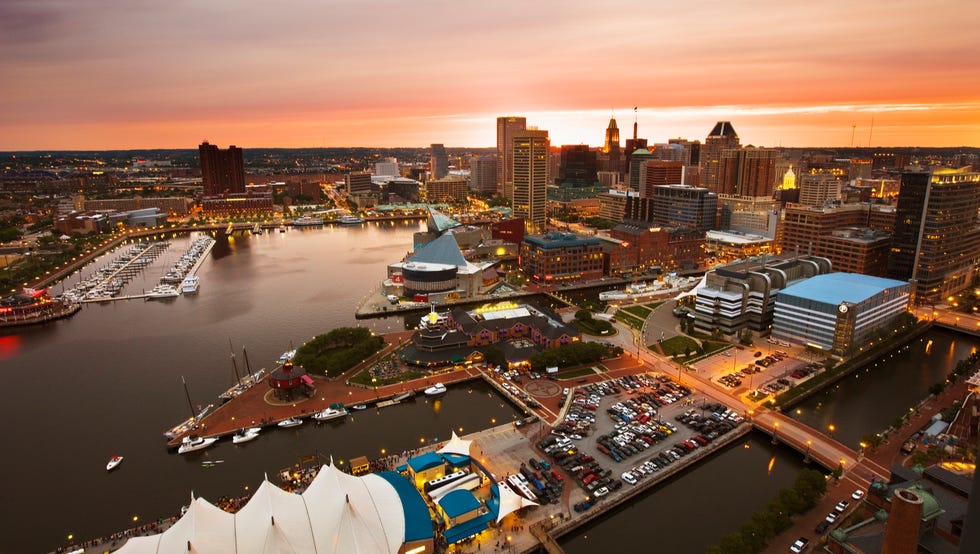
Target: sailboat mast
x=188, y=395
x=234, y=364
x=248, y=368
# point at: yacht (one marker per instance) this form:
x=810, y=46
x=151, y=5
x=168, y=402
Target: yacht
x=190, y=284
x=350, y=220
x=307, y=221
x=286, y=356
x=329, y=413
x=435, y=390
x=245, y=435
x=113, y=462
x=190, y=444
x=291, y=422
x=163, y=291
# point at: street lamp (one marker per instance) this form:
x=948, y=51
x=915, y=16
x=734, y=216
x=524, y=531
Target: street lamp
x=832, y=429
x=493, y=423
x=775, y=428
x=806, y=457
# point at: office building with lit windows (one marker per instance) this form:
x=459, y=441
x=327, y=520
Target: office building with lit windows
x=530, y=153
x=838, y=312
x=936, y=242
x=506, y=127
x=561, y=257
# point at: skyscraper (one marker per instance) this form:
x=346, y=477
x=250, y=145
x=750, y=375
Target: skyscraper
x=638, y=162
x=747, y=172
x=578, y=165
x=530, y=177
x=611, y=149
x=722, y=137
x=506, y=127
x=657, y=173
x=937, y=235
x=438, y=162
x=483, y=174
x=222, y=171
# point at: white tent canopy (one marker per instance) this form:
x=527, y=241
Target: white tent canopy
x=338, y=513
x=456, y=446
x=510, y=501
x=694, y=291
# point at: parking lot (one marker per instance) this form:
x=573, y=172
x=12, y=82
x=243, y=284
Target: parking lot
x=768, y=370
x=620, y=432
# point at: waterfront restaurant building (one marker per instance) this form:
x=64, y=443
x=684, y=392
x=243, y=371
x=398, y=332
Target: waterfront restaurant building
x=837, y=312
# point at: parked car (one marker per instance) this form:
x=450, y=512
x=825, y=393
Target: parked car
x=799, y=545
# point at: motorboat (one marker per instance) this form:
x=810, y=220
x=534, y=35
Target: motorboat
x=329, y=413
x=350, y=220
x=291, y=422
x=190, y=284
x=245, y=435
x=307, y=221
x=359, y=407
x=193, y=444
x=113, y=462
x=211, y=463
x=286, y=356
x=435, y=390
x=162, y=291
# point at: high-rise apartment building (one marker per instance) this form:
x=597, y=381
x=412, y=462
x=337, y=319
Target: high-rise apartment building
x=388, y=167
x=747, y=172
x=506, y=127
x=530, y=150
x=483, y=174
x=722, y=137
x=816, y=189
x=222, y=171
x=937, y=232
x=656, y=173
x=450, y=189
x=438, y=162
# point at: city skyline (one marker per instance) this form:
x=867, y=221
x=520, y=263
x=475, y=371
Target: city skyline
x=110, y=75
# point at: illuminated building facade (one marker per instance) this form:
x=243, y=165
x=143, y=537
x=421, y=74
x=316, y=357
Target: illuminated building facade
x=561, y=257
x=506, y=127
x=722, y=137
x=530, y=177
x=937, y=225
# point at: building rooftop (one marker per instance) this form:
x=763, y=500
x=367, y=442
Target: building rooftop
x=459, y=502
x=834, y=288
x=560, y=240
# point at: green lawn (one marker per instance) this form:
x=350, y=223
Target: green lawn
x=638, y=310
x=654, y=305
x=576, y=373
x=596, y=327
x=678, y=345
x=629, y=319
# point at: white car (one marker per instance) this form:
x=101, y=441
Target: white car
x=799, y=545
x=628, y=477
x=858, y=494
x=603, y=491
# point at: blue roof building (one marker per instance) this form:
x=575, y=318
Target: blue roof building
x=837, y=312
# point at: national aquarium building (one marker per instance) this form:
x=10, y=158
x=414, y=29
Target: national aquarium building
x=837, y=312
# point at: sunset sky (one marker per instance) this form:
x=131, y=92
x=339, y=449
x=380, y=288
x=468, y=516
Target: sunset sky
x=116, y=74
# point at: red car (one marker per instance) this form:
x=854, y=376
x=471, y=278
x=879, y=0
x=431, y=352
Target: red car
x=556, y=475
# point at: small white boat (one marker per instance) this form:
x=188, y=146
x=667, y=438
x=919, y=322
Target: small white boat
x=113, y=462
x=190, y=284
x=329, y=413
x=245, y=435
x=163, y=291
x=194, y=444
x=286, y=356
x=359, y=407
x=435, y=390
x=291, y=422
x=350, y=220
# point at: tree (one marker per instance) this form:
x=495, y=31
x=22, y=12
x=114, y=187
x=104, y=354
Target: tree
x=937, y=388
x=745, y=337
x=583, y=315
x=495, y=356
